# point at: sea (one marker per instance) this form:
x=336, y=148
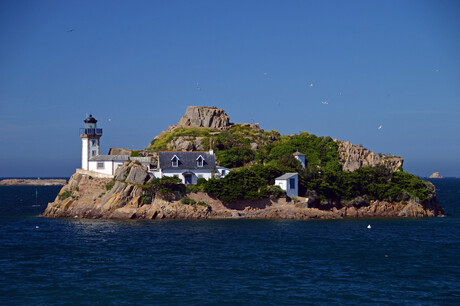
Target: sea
x=397, y=261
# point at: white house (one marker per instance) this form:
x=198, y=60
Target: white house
x=289, y=182
x=188, y=166
x=221, y=172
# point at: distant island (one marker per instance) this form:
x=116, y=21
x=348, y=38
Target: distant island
x=207, y=167
x=436, y=175
x=33, y=182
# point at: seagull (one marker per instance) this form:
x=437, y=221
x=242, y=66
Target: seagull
x=325, y=102
x=311, y=84
x=437, y=70
x=380, y=127
x=369, y=226
x=265, y=73
x=71, y=30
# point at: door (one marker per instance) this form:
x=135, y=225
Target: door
x=188, y=179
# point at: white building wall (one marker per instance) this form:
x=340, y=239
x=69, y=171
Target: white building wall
x=207, y=174
x=107, y=169
x=117, y=164
x=284, y=184
x=84, y=153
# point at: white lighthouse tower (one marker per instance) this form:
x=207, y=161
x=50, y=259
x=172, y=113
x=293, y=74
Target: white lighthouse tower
x=90, y=143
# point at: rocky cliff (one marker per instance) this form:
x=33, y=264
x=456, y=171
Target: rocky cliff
x=124, y=198
x=353, y=157
x=204, y=117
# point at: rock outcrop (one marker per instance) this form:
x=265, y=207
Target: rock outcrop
x=353, y=157
x=124, y=198
x=436, y=175
x=33, y=182
x=204, y=117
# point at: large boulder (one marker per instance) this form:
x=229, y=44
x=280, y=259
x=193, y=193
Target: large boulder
x=202, y=116
x=137, y=175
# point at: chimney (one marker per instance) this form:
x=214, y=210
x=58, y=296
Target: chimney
x=211, y=151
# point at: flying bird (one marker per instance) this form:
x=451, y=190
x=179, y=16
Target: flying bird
x=325, y=102
x=311, y=84
x=380, y=127
x=71, y=30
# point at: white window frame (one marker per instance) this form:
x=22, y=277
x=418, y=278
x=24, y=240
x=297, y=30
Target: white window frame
x=98, y=165
x=200, y=161
x=175, y=161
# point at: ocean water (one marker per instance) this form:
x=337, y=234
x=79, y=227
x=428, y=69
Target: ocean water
x=73, y=261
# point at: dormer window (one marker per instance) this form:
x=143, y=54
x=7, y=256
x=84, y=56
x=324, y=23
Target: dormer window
x=199, y=161
x=175, y=161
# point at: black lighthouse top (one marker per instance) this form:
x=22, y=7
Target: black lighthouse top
x=90, y=119
x=91, y=127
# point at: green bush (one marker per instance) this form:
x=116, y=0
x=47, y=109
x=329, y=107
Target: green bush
x=166, y=186
x=275, y=192
x=65, y=195
x=200, y=181
x=241, y=184
x=109, y=185
x=187, y=200
x=201, y=203
x=134, y=153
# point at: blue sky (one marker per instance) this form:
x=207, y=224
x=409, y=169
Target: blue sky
x=135, y=66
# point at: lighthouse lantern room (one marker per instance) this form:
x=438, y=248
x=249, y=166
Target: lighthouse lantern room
x=90, y=141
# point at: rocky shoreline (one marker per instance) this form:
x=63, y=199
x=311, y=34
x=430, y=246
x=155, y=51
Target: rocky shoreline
x=122, y=198
x=33, y=182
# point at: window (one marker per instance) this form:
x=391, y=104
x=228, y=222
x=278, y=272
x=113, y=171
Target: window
x=100, y=165
x=223, y=172
x=175, y=161
x=93, y=142
x=93, y=153
x=292, y=183
x=199, y=161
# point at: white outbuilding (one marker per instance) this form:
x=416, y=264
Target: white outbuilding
x=289, y=182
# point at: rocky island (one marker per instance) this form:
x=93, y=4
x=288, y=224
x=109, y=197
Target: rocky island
x=436, y=175
x=336, y=180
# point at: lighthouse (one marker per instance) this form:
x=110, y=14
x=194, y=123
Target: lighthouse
x=90, y=141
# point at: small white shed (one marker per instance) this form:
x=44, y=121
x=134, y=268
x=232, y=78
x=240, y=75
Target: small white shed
x=290, y=183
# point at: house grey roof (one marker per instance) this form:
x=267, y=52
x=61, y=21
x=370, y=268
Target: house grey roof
x=298, y=154
x=286, y=176
x=110, y=157
x=187, y=160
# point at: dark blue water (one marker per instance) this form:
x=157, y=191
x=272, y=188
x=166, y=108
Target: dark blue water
x=70, y=261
